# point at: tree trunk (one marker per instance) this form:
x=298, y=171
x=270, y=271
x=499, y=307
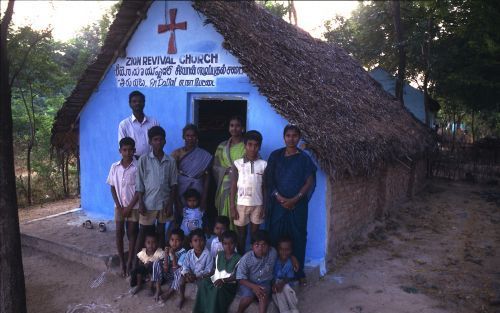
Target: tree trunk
x=12, y=289
x=66, y=171
x=398, y=29
x=472, y=129
x=427, y=52
x=28, y=163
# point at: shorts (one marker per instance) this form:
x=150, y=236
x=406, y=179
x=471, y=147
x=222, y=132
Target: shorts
x=249, y=214
x=152, y=216
x=244, y=291
x=133, y=217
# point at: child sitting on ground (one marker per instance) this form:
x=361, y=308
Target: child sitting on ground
x=216, y=293
x=168, y=270
x=255, y=272
x=197, y=264
x=192, y=215
x=284, y=273
x=221, y=225
x=144, y=268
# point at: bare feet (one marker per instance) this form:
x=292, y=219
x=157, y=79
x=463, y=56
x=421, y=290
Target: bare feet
x=124, y=270
x=135, y=290
x=167, y=294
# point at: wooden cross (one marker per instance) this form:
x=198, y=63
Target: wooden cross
x=172, y=49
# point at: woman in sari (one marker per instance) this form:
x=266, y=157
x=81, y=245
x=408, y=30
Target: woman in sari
x=227, y=151
x=193, y=164
x=290, y=178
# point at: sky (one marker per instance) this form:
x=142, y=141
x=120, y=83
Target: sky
x=67, y=17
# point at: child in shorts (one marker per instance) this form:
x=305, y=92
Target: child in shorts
x=255, y=272
x=121, y=178
x=144, y=267
x=247, y=187
x=192, y=214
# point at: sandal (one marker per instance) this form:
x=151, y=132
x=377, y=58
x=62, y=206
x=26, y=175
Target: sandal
x=102, y=227
x=88, y=224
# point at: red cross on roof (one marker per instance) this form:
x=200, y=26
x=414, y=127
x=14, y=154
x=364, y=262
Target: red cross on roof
x=172, y=49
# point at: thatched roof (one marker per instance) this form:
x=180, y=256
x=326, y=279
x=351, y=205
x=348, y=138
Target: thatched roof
x=350, y=123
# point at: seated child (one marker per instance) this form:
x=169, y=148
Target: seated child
x=146, y=257
x=221, y=225
x=247, y=188
x=284, y=273
x=216, y=293
x=192, y=215
x=255, y=272
x=197, y=264
x=168, y=270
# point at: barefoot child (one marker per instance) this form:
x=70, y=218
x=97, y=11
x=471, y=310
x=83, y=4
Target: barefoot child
x=255, y=272
x=121, y=178
x=284, y=273
x=168, y=270
x=198, y=263
x=192, y=214
x=144, y=268
x=216, y=293
x=221, y=225
x=248, y=189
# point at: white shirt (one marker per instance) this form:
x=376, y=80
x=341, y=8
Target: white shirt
x=131, y=127
x=199, y=266
x=250, y=175
x=215, y=247
x=123, y=179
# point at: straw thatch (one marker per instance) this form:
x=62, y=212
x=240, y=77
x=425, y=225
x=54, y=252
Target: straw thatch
x=350, y=123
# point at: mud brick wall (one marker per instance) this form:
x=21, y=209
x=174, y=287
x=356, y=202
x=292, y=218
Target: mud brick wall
x=355, y=202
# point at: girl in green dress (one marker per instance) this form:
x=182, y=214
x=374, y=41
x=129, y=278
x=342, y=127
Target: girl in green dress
x=227, y=151
x=216, y=293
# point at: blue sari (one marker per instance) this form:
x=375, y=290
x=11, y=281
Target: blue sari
x=287, y=175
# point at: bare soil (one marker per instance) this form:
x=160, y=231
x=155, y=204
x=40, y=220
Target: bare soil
x=46, y=209
x=437, y=253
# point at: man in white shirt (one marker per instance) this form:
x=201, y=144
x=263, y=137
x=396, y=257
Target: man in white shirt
x=137, y=125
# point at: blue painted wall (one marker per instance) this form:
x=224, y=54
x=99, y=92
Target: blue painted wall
x=172, y=107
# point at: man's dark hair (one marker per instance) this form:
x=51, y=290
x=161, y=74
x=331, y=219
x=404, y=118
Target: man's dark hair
x=190, y=193
x=291, y=127
x=230, y=234
x=127, y=141
x=261, y=235
x=253, y=135
x=136, y=93
x=197, y=232
x=179, y=232
x=156, y=131
x=192, y=127
x=222, y=219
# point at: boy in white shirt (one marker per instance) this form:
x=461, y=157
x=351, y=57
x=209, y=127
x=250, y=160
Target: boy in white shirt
x=247, y=187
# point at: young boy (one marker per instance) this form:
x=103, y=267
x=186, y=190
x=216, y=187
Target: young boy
x=156, y=183
x=121, y=178
x=247, y=184
x=168, y=270
x=192, y=214
x=144, y=268
x=255, y=272
x=198, y=263
x=284, y=273
x=221, y=225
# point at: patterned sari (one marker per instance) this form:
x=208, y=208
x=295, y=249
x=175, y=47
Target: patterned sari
x=224, y=157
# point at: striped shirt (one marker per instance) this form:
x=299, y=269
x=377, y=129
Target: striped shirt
x=257, y=269
x=199, y=266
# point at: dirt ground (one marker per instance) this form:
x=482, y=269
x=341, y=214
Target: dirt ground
x=437, y=253
x=46, y=209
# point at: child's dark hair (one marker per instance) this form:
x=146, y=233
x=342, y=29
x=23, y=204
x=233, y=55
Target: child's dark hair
x=230, y=234
x=179, y=232
x=150, y=234
x=192, y=193
x=236, y=118
x=197, y=232
x=192, y=127
x=136, y=93
x=156, y=131
x=127, y=141
x=253, y=135
x=222, y=219
x=261, y=235
x=284, y=239
x=291, y=127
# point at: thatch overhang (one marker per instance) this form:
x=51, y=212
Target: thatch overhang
x=350, y=123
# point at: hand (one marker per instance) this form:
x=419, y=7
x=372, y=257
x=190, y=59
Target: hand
x=218, y=283
x=295, y=263
x=142, y=208
x=288, y=204
x=262, y=213
x=190, y=278
x=259, y=291
x=234, y=213
x=278, y=287
x=168, y=210
x=126, y=211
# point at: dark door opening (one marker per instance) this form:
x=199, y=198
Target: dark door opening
x=212, y=117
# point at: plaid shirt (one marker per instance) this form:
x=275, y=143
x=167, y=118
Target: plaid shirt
x=257, y=269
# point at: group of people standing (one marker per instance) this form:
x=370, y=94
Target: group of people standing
x=151, y=188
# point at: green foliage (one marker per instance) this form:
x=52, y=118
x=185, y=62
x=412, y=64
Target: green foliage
x=276, y=8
